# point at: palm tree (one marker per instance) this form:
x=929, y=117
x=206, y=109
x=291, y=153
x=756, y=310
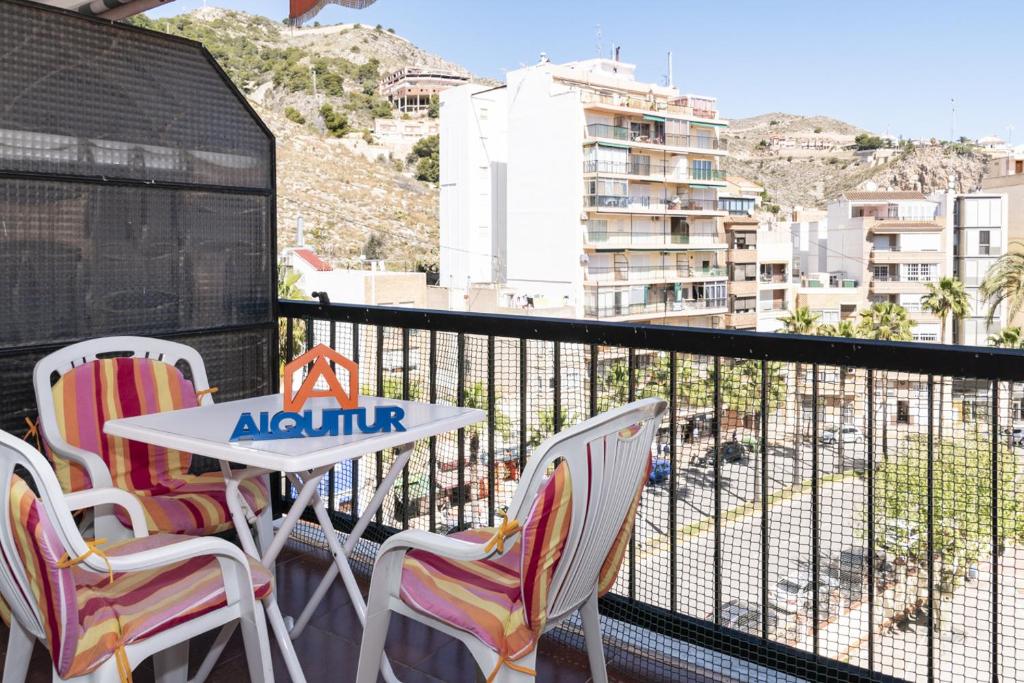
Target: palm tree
x=800, y=321
x=288, y=288
x=885, y=321
x=844, y=328
x=1004, y=282
x=944, y=298
x=1010, y=338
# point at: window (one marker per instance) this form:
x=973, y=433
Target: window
x=828, y=317
x=744, y=304
x=744, y=272
x=984, y=242
x=903, y=412
x=919, y=272
x=881, y=273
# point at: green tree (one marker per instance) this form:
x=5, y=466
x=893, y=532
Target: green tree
x=544, y=426
x=293, y=114
x=428, y=170
x=335, y=122
x=1009, y=338
x=866, y=141
x=846, y=329
x=434, y=108
x=288, y=288
x=426, y=155
x=885, y=321
x=375, y=247
x=945, y=298
x=800, y=321
x=1004, y=283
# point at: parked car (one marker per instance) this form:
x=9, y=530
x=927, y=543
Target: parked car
x=746, y=617
x=794, y=592
x=661, y=468
x=850, y=568
x=1016, y=433
x=731, y=452
x=846, y=433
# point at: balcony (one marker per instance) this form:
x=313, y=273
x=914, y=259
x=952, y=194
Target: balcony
x=669, y=308
x=897, y=255
x=682, y=107
x=894, y=284
x=768, y=547
x=683, y=142
x=652, y=274
x=775, y=305
x=651, y=205
x=618, y=240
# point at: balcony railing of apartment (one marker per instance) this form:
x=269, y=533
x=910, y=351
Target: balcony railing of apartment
x=647, y=104
x=604, y=130
x=766, y=543
x=605, y=201
x=697, y=173
x=632, y=238
x=895, y=277
x=654, y=307
x=652, y=272
x=774, y=305
x=773, y=277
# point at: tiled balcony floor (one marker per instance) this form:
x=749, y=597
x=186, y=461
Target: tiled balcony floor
x=329, y=648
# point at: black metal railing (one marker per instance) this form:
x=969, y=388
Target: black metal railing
x=836, y=509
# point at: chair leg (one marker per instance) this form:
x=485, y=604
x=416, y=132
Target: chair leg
x=595, y=644
x=20, y=644
x=257, y=645
x=171, y=665
x=375, y=633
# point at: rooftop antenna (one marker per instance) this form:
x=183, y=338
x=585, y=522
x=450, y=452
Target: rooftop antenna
x=669, y=78
x=1009, y=134
x=598, y=40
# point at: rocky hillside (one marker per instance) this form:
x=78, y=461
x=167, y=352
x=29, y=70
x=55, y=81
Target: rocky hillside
x=342, y=196
x=809, y=160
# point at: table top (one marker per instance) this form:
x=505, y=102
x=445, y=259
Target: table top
x=206, y=430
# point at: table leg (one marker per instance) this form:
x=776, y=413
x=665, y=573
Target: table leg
x=405, y=452
x=245, y=537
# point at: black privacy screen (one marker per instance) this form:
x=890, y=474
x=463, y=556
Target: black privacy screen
x=136, y=197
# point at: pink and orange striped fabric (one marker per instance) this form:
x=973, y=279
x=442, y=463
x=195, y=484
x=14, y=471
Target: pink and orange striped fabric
x=174, y=500
x=502, y=600
x=86, y=615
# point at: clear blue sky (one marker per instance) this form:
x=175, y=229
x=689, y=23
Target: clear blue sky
x=886, y=66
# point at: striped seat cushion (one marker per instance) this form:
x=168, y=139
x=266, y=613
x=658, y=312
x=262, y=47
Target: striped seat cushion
x=85, y=615
x=502, y=600
x=175, y=501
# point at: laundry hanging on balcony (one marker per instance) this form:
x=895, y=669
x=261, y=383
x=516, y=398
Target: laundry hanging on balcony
x=302, y=11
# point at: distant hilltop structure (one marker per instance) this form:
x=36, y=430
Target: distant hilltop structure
x=410, y=88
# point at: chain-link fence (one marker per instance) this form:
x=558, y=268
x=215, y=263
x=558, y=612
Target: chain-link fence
x=818, y=508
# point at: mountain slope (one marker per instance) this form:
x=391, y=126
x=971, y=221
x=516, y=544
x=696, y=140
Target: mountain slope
x=810, y=160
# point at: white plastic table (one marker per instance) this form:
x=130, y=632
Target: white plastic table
x=206, y=430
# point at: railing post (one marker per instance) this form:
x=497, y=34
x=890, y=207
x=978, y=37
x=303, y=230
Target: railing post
x=593, y=379
x=432, y=464
x=332, y=475
x=718, y=491
x=523, y=371
x=460, y=395
x=631, y=382
x=931, y=527
x=405, y=397
x=380, y=392
x=355, y=463
x=765, y=541
x=557, y=407
x=815, y=514
x=996, y=536
x=870, y=387
x=492, y=463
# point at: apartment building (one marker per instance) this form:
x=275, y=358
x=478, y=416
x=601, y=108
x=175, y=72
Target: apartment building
x=761, y=287
x=1008, y=182
x=884, y=246
x=612, y=194
x=409, y=89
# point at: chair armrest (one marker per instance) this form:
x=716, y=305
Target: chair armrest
x=99, y=473
x=91, y=498
x=186, y=549
x=444, y=546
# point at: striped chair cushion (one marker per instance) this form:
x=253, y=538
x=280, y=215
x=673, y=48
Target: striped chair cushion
x=175, y=501
x=85, y=614
x=5, y=613
x=501, y=600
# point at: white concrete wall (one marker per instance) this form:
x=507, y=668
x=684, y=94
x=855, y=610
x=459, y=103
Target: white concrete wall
x=545, y=187
x=473, y=144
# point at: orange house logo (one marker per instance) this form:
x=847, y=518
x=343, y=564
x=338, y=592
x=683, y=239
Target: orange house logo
x=321, y=356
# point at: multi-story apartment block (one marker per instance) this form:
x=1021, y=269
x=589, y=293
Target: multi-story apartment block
x=612, y=193
x=409, y=89
x=761, y=287
x=890, y=246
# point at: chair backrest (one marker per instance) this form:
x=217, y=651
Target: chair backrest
x=605, y=462
x=35, y=532
x=81, y=386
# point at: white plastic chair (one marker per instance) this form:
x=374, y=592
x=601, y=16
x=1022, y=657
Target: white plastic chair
x=608, y=458
x=59, y=363
x=168, y=647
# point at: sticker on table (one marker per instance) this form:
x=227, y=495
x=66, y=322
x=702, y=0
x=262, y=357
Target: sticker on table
x=321, y=381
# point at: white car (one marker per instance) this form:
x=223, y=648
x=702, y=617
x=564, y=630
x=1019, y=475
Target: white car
x=848, y=434
x=795, y=592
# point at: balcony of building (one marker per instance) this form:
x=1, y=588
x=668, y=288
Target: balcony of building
x=646, y=274
x=651, y=135
x=833, y=280
x=774, y=274
x=768, y=546
x=599, y=240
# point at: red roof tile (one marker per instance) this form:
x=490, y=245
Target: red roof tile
x=310, y=257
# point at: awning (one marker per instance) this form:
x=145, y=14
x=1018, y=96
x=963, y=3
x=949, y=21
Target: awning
x=616, y=145
x=708, y=124
x=652, y=117
x=304, y=10
x=705, y=187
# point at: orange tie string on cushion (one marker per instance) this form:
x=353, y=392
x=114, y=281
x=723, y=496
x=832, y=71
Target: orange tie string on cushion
x=203, y=392
x=33, y=433
x=507, y=529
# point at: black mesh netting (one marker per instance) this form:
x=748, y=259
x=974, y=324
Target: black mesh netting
x=135, y=198
x=818, y=528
